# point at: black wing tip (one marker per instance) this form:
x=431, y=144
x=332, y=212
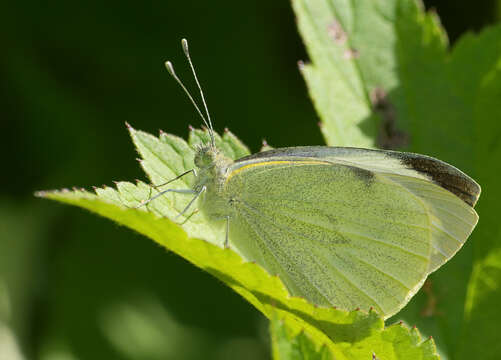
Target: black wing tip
x=443, y=174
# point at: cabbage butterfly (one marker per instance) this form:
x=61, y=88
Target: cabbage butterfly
x=341, y=226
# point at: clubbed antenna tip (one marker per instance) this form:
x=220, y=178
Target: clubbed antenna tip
x=184, y=44
x=170, y=69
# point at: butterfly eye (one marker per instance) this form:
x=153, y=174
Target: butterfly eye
x=203, y=157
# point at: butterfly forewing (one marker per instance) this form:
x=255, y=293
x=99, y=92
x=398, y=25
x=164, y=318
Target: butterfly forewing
x=448, y=194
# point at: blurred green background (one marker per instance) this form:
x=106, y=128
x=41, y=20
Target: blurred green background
x=75, y=286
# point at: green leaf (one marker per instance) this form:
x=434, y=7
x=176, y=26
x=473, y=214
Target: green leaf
x=406, y=89
x=345, y=334
x=288, y=346
x=333, y=78
x=357, y=49
x=480, y=331
x=395, y=342
x=482, y=310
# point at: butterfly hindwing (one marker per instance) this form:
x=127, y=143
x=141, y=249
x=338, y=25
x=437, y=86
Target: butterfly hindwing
x=336, y=234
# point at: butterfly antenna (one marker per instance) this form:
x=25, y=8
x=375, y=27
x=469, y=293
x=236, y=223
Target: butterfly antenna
x=184, y=43
x=171, y=71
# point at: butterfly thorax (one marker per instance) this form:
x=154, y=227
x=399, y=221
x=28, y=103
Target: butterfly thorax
x=212, y=168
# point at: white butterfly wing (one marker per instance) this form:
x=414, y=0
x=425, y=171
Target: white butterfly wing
x=340, y=234
x=454, y=217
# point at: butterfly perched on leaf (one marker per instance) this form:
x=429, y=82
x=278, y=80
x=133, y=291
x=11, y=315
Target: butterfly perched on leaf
x=341, y=226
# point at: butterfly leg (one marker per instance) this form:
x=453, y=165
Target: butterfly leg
x=197, y=194
x=176, y=178
x=179, y=191
x=188, y=217
x=150, y=194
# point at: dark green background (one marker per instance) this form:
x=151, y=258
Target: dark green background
x=71, y=74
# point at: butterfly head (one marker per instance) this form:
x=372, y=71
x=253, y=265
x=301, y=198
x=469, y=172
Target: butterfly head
x=206, y=156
